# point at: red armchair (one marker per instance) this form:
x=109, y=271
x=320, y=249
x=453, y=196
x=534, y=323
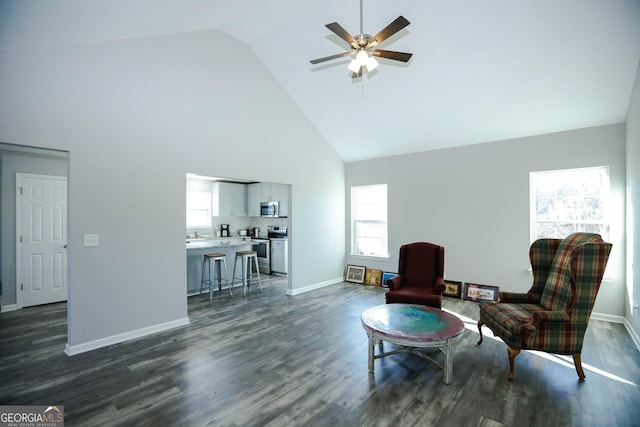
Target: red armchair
x=420, y=278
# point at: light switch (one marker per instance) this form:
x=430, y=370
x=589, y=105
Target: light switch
x=91, y=240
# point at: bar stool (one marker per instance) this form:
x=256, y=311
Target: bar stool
x=219, y=260
x=247, y=271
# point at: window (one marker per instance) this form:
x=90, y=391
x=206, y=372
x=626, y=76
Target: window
x=198, y=203
x=566, y=201
x=198, y=209
x=369, y=220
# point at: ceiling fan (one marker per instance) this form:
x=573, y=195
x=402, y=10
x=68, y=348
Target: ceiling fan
x=363, y=46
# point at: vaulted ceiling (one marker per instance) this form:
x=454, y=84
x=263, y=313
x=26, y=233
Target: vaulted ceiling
x=482, y=70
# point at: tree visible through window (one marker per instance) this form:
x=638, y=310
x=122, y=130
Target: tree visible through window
x=369, y=220
x=566, y=201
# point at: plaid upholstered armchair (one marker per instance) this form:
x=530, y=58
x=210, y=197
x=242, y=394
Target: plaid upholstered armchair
x=420, y=278
x=553, y=315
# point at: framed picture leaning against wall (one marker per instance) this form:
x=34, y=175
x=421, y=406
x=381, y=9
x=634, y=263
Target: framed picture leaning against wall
x=355, y=273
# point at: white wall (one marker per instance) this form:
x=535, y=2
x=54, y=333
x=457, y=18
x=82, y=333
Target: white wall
x=136, y=116
x=474, y=200
x=633, y=210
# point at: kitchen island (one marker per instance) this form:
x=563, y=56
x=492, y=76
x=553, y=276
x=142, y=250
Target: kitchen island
x=196, y=248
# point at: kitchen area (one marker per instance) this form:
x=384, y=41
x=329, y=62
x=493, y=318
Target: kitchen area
x=229, y=215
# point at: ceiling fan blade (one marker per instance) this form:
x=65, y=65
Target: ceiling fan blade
x=329, y=58
x=391, y=54
x=342, y=33
x=399, y=23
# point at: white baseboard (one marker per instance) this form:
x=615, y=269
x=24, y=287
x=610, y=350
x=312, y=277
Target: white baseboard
x=319, y=285
x=72, y=350
x=10, y=307
x=607, y=317
x=634, y=335
x=619, y=319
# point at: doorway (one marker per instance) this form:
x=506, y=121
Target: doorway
x=237, y=207
x=14, y=160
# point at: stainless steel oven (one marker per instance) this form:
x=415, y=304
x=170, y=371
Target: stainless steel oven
x=263, y=248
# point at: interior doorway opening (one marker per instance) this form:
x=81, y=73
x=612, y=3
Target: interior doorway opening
x=15, y=160
x=220, y=207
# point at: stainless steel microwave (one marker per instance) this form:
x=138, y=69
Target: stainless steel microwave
x=269, y=209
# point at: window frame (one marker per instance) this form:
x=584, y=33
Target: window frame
x=605, y=193
x=204, y=189
x=384, y=243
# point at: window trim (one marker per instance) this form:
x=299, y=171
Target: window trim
x=606, y=198
x=385, y=238
x=207, y=209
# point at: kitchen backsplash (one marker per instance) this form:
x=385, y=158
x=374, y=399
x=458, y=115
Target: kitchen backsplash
x=236, y=224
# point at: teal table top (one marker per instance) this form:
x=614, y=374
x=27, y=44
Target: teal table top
x=412, y=322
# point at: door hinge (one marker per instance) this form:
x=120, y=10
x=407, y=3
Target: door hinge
x=21, y=286
x=20, y=239
x=20, y=188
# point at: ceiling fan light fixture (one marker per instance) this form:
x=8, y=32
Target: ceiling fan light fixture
x=354, y=67
x=362, y=45
x=362, y=57
x=371, y=64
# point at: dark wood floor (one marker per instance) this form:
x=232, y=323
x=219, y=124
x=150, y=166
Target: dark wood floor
x=278, y=360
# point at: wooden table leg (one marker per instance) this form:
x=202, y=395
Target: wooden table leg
x=448, y=361
x=372, y=345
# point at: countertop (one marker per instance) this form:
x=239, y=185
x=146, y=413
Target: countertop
x=218, y=242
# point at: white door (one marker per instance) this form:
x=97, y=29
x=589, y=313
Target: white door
x=41, y=239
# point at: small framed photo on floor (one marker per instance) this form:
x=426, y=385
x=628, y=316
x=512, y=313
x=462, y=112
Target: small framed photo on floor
x=355, y=273
x=386, y=276
x=477, y=292
x=373, y=277
x=452, y=289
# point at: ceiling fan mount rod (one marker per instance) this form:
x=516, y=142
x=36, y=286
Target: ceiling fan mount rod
x=361, y=19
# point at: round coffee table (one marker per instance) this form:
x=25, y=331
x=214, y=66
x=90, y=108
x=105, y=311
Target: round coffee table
x=412, y=327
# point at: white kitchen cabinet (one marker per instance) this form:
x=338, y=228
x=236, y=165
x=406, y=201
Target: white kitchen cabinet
x=279, y=256
x=229, y=199
x=267, y=192
x=280, y=193
x=238, y=200
x=254, y=194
